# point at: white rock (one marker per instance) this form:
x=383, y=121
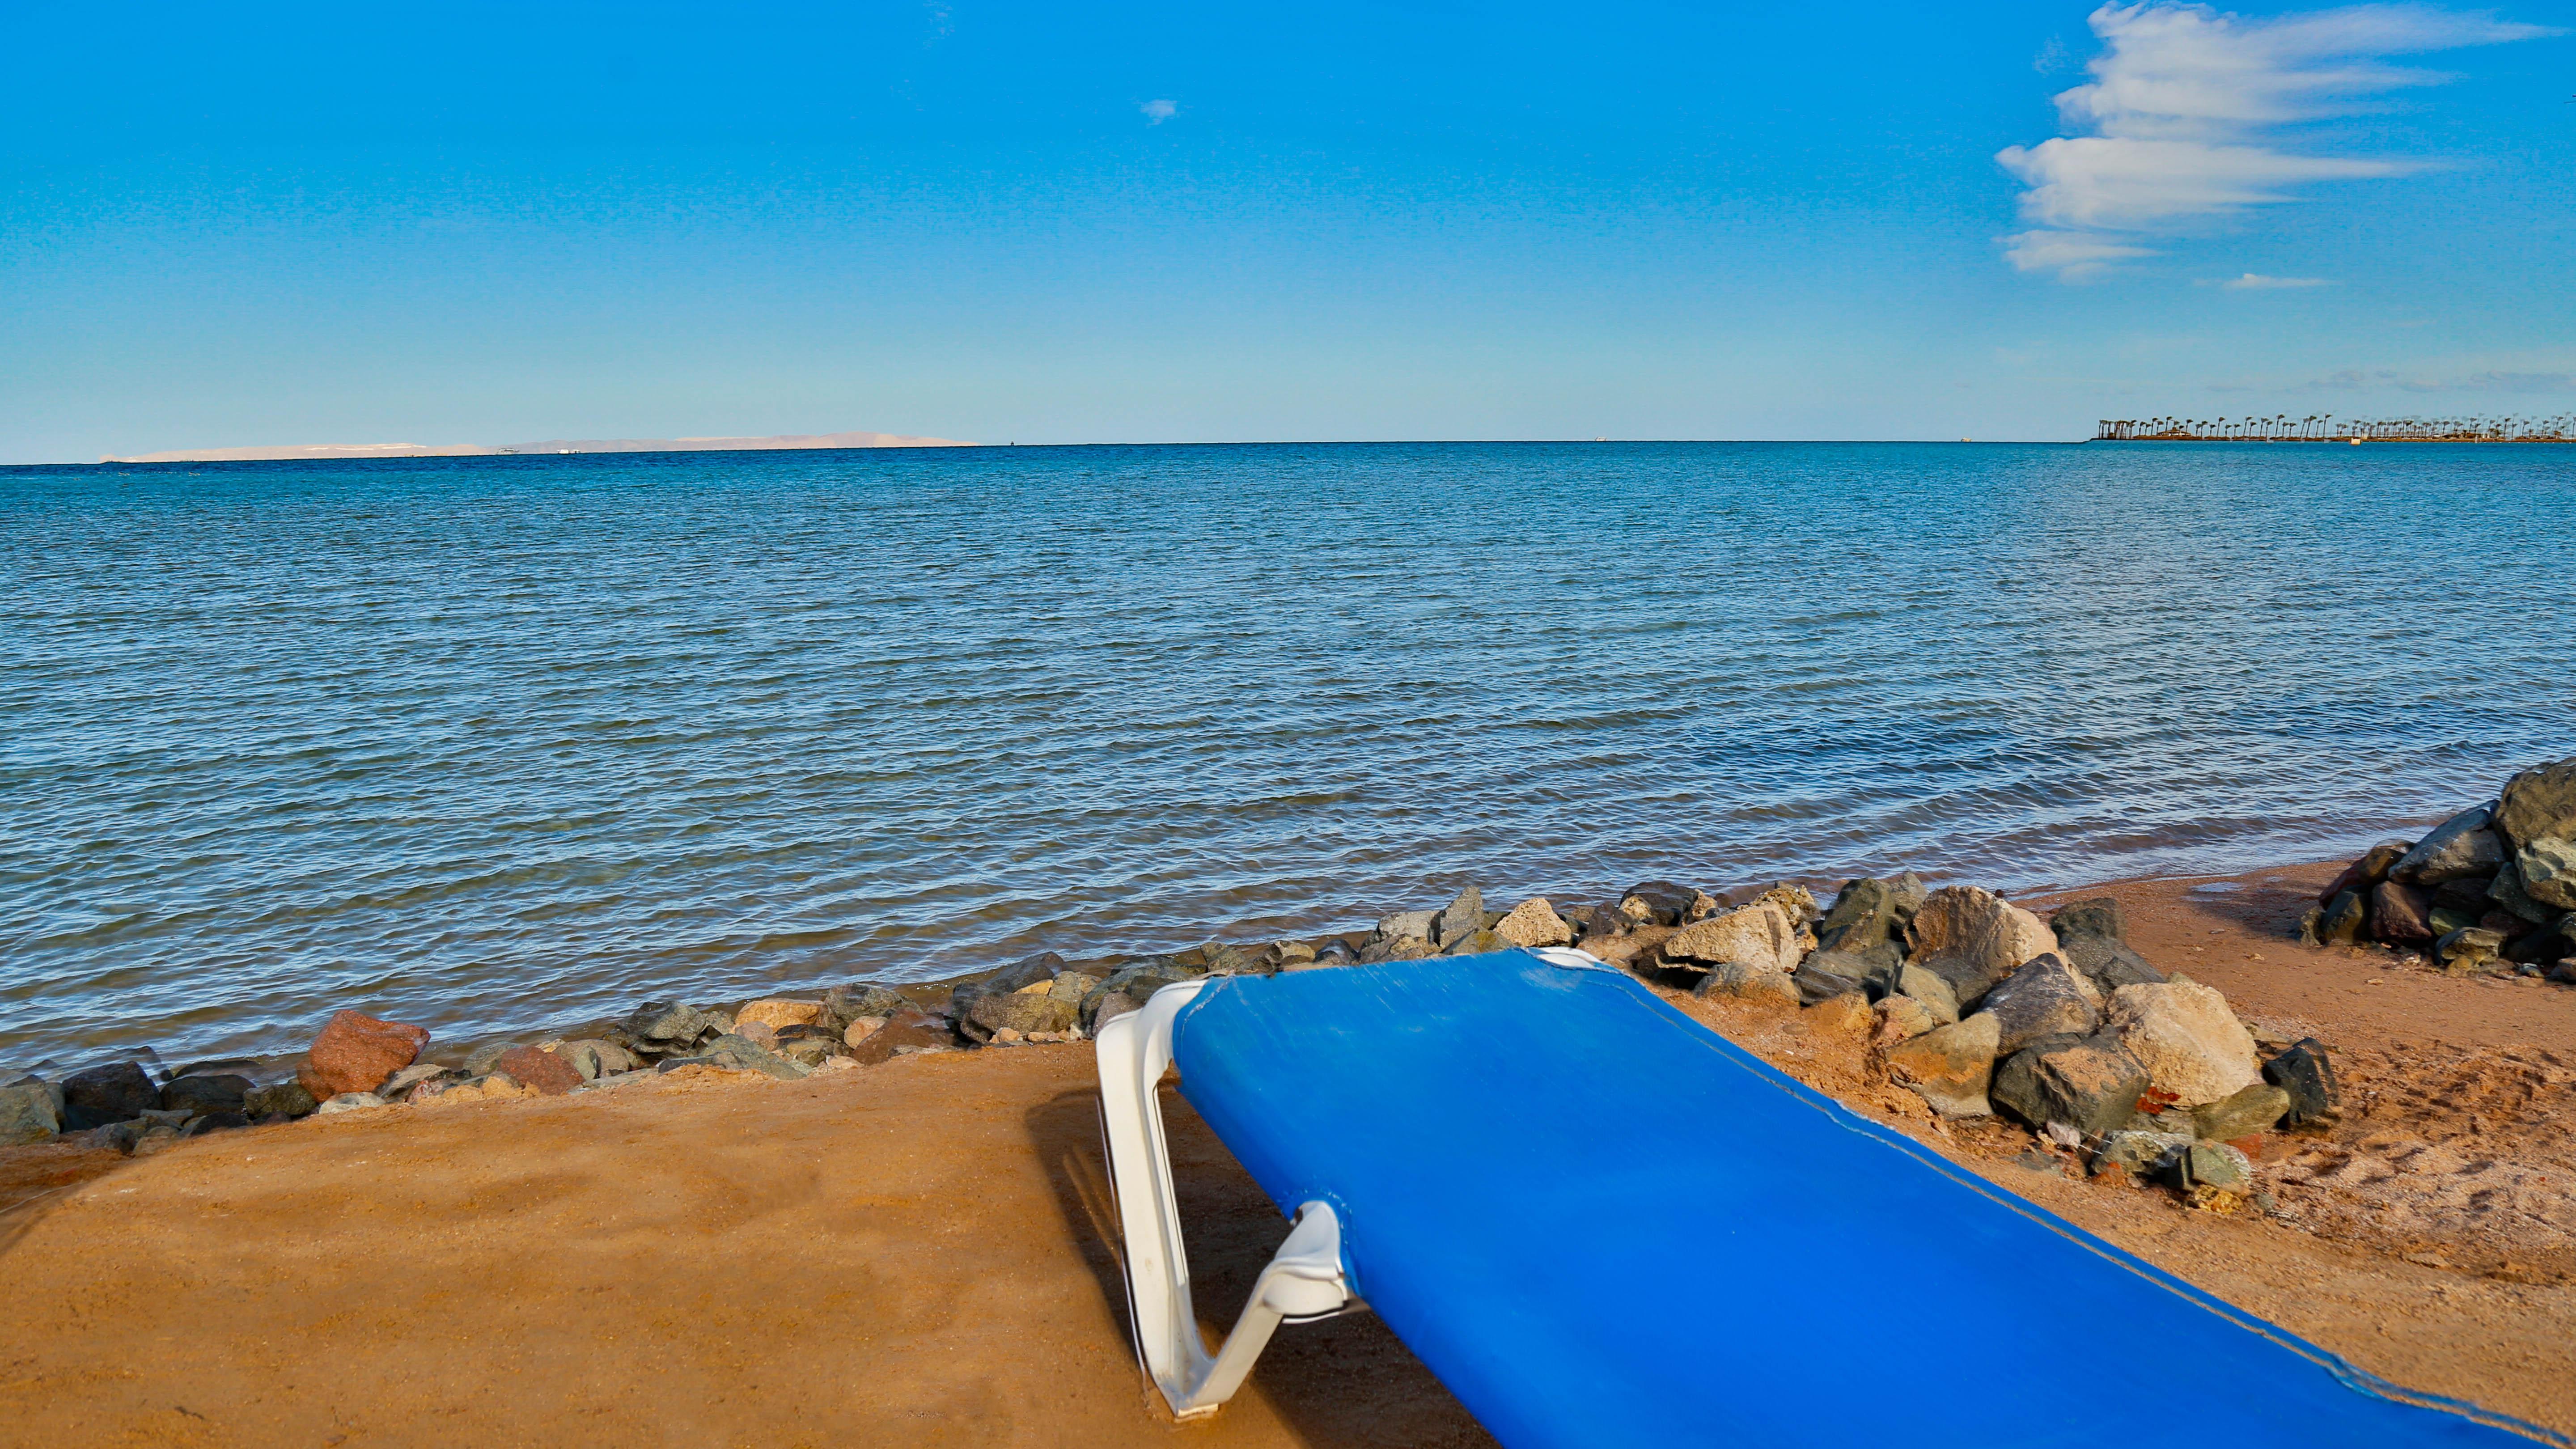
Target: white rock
x=1760, y=935
x=349, y=1102
x=1974, y=938
x=2184, y=1035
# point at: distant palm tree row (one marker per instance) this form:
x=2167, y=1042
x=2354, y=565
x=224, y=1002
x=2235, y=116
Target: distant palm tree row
x=2326, y=428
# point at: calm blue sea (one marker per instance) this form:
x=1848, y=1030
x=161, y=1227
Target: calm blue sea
x=490, y=743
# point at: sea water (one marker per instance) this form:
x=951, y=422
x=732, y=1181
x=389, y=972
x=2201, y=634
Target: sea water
x=494, y=743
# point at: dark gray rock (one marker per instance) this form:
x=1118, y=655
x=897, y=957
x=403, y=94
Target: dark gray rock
x=2539, y=804
x=1477, y=942
x=2507, y=893
x=114, y=1137
x=1824, y=975
x=2044, y=998
x=2344, y=920
x=2307, y=1074
x=2089, y=1083
x=1333, y=953
x=2546, y=944
x=1864, y=923
x=205, y=1094
x=2468, y=893
x=666, y=1026
x=111, y=1092
x=2109, y=964
x=31, y=1110
x=1596, y=922
x=2095, y=918
x=280, y=1100
x=215, y=1122
x=1464, y=917
x=2138, y=1153
x=2255, y=1109
x=2462, y=845
x=1666, y=903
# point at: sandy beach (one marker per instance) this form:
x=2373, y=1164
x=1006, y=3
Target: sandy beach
x=919, y=1252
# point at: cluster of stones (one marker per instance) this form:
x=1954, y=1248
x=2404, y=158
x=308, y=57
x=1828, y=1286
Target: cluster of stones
x=359, y=1061
x=1975, y=1004
x=2492, y=889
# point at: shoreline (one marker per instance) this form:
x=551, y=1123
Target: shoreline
x=941, y=1215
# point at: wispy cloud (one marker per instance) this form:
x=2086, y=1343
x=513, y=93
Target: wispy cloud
x=2183, y=110
x=2257, y=282
x=2354, y=379
x=1157, y=112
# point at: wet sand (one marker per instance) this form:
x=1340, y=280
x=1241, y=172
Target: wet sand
x=918, y=1253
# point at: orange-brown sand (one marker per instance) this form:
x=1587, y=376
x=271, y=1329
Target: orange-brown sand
x=919, y=1253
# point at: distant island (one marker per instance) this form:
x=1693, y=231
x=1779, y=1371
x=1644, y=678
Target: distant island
x=2326, y=428
x=779, y=443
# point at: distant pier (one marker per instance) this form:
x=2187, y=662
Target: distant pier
x=2282, y=428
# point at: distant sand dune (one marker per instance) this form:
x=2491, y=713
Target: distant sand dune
x=782, y=441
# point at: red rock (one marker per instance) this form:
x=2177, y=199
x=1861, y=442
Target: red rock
x=2401, y=915
x=2368, y=871
x=904, y=1028
x=357, y=1053
x=538, y=1068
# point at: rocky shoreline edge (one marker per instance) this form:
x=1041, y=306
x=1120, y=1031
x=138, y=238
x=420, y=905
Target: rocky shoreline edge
x=1976, y=1006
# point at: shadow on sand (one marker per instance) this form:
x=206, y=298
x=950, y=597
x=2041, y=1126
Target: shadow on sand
x=1345, y=1381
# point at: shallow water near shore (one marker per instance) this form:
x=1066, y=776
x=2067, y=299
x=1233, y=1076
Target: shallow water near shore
x=491, y=743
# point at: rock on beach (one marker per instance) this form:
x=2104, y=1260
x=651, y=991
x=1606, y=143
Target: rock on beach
x=112, y=1092
x=1950, y=1067
x=2188, y=1040
x=1760, y=936
x=1973, y=939
x=357, y=1052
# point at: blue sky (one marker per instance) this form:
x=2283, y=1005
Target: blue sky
x=1060, y=223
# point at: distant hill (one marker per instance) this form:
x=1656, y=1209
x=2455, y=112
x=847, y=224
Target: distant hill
x=782, y=442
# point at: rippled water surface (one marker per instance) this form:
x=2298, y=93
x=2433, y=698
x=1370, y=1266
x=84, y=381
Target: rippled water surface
x=495, y=742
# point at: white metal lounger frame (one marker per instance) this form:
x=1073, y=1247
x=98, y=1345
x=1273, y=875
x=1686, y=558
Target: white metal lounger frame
x=1303, y=1281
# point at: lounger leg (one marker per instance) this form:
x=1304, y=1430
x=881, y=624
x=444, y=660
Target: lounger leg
x=1303, y=1280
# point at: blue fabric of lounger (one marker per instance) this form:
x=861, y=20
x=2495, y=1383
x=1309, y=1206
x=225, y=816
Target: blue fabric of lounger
x=1602, y=1224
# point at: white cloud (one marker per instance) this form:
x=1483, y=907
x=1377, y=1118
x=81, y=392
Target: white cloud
x=2071, y=254
x=2182, y=104
x=1157, y=112
x=2256, y=282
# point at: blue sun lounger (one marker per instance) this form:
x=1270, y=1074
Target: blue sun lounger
x=1599, y=1223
